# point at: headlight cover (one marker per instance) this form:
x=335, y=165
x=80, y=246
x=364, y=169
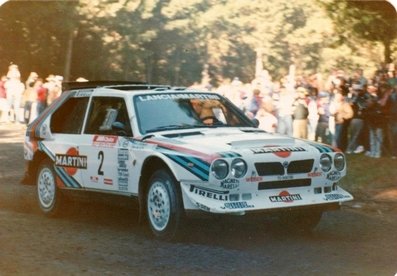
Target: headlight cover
x=325, y=162
x=339, y=161
x=238, y=168
x=220, y=169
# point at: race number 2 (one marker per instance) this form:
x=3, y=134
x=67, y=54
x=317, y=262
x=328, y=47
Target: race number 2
x=101, y=157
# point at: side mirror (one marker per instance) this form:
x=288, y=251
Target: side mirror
x=255, y=122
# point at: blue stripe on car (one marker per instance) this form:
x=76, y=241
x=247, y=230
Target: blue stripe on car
x=199, y=168
x=66, y=179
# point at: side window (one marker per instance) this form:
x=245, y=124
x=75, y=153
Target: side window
x=69, y=117
x=104, y=113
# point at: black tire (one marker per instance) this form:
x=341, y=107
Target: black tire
x=300, y=221
x=163, y=205
x=48, y=195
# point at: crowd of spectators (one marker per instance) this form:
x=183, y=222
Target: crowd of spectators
x=21, y=102
x=351, y=112
x=354, y=113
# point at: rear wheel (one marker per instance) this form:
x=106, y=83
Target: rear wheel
x=163, y=205
x=48, y=194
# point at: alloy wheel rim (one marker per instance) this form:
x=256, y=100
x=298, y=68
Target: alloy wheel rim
x=46, y=188
x=159, y=206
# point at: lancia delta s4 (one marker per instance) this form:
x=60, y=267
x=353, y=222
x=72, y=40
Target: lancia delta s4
x=177, y=152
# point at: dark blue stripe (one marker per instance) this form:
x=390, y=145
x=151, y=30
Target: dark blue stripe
x=67, y=179
x=197, y=171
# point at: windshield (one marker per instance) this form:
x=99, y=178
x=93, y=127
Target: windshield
x=165, y=111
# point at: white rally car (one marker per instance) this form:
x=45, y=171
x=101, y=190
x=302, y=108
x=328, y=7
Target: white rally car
x=177, y=151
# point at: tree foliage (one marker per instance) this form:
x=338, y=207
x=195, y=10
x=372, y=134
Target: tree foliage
x=172, y=41
x=373, y=21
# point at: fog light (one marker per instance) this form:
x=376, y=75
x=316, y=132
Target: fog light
x=246, y=196
x=234, y=197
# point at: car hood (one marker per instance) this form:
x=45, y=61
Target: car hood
x=221, y=140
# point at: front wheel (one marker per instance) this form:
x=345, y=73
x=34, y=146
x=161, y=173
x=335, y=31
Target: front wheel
x=163, y=205
x=48, y=195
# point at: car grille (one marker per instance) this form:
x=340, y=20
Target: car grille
x=277, y=168
x=282, y=184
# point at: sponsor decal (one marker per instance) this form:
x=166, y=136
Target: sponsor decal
x=160, y=97
x=282, y=152
x=230, y=183
x=44, y=130
x=254, y=179
x=314, y=174
x=107, y=181
x=286, y=197
x=238, y=205
x=94, y=179
x=203, y=207
x=82, y=94
x=122, y=169
x=71, y=161
x=138, y=145
x=210, y=193
x=124, y=142
x=285, y=177
x=104, y=141
x=334, y=176
x=335, y=196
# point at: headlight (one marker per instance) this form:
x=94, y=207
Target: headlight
x=220, y=169
x=238, y=168
x=325, y=162
x=339, y=161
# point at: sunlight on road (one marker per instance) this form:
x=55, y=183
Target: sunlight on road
x=12, y=133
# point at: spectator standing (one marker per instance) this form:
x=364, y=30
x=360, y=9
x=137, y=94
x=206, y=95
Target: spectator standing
x=41, y=100
x=359, y=104
x=14, y=89
x=53, y=86
x=313, y=113
x=376, y=120
x=342, y=112
x=267, y=121
x=29, y=96
x=392, y=102
x=255, y=102
x=300, y=114
x=322, y=130
x=284, y=111
x=4, y=109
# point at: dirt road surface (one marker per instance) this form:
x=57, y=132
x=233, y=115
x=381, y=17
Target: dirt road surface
x=95, y=238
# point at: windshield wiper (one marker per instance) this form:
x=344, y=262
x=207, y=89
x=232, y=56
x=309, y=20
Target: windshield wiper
x=169, y=127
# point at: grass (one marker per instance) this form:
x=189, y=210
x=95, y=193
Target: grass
x=365, y=174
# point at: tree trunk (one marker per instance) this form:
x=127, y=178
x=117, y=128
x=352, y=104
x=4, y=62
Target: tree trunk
x=387, y=51
x=69, y=54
